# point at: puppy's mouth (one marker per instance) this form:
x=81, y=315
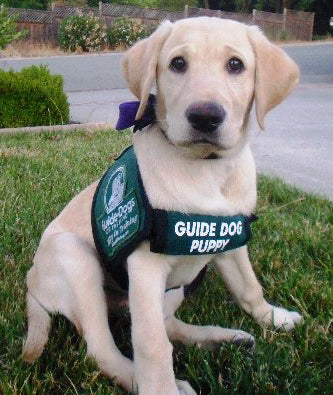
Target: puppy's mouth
x=199, y=145
x=204, y=141
x=194, y=141
x=201, y=148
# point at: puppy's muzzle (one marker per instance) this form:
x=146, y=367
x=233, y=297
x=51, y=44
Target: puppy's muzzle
x=205, y=117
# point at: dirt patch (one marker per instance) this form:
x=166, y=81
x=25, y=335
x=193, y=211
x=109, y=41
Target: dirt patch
x=26, y=49
x=21, y=49
x=6, y=152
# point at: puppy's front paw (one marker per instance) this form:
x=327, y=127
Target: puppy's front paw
x=244, y=339
x=281, y=318
x=185, y=388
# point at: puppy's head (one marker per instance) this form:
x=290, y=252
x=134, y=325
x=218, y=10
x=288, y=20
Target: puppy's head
x=208, y=72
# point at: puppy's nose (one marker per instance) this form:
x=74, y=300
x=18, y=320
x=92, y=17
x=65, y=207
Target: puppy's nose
x=205, y=116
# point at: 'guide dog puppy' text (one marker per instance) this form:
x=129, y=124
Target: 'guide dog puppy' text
x=205, y=229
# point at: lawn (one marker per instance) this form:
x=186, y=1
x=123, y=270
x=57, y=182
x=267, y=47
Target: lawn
x=292, y=254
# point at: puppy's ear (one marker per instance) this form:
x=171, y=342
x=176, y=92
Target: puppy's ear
x=140, y=62
x=276, y=74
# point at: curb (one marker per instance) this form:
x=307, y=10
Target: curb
x=59, y=128
x=306, y=43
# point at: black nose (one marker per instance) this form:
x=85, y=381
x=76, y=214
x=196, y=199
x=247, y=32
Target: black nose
x=205, y=116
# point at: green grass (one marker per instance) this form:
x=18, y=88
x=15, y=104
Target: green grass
x=292, y=254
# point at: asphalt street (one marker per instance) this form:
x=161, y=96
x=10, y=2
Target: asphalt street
x=297, y=144
x=81, y=73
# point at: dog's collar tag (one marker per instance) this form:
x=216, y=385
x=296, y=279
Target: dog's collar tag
x=127, y=114
x=177, y=233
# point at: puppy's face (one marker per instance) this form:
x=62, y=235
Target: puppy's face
x=205, y=83
x=208, y=71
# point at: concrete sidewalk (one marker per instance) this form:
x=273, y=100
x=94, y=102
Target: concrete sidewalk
x=97, y=105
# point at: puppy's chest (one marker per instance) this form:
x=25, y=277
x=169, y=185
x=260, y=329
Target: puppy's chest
x=203, y=186
x=200, y=191
x=185, y=269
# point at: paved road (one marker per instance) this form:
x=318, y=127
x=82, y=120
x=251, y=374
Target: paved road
x=315, y=61
x=102, y=72
x=297, y=144
x=80, y=72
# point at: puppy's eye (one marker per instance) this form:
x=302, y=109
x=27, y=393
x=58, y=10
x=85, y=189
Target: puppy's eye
x=178, y=64
x=235, y=65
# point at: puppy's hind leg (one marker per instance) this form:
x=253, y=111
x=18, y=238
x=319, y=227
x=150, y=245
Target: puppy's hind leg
x=67, y=278
x=39, y=323
x=195, y=334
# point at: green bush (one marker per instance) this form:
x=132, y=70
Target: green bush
x=125, y=32
x=316, y=37
x=283, y=36
x=83, y=32
x=8, y=32
x=32, y=97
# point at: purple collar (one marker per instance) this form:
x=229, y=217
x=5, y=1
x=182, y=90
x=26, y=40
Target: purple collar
x=127, y=113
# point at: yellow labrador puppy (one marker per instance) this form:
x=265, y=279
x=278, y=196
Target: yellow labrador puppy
x=194, y=159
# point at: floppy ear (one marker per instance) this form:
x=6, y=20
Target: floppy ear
x=276, y=74
x=139, y=64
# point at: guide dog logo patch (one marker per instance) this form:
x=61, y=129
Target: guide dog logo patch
x=116, y=210
x=115, y=189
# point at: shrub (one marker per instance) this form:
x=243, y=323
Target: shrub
x=32, y=97
x=322, y=37
x=8, y=32
x=126, y=32
x=83, y=32
x=284, y=36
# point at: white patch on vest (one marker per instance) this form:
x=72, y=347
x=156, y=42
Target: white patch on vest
x=115, y=189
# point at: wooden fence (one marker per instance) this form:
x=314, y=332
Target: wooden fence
x=294, y=25
x=43, y=26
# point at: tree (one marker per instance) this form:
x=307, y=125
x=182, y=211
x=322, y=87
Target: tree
x=323, y=10
x=225, y=5
x=140, y=3
x=70, y=3
x=176, y=5
x=92, y=3
x=8, y=32
x=172, y=5
x=34, y=4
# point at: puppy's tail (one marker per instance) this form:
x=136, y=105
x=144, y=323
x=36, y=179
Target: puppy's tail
x=39, y=323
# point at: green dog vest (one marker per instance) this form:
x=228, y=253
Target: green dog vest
x=122, y=218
